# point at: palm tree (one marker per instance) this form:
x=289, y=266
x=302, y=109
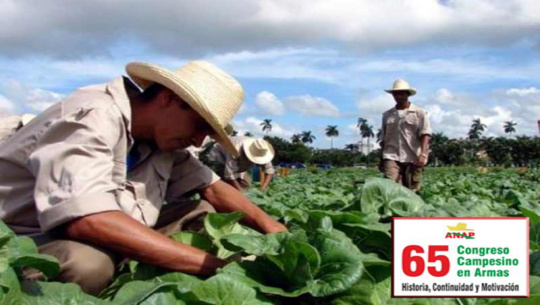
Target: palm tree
x=351, y=147
x=361, y=124
x=266, y=126
x=379, y=135
x=509, y=127
x=307, y=137
x=248, y=134
x=296, y=138
x=476, y=129
x=332, y=131
x=367, y=132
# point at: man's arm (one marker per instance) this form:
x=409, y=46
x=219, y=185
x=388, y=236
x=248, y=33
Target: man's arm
x=225, y=198
x=119, y=232
x=424, y=151
x=266, y=182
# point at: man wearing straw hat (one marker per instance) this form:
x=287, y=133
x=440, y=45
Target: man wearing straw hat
x=405, y=131
x=87, y=178
x=234, y=170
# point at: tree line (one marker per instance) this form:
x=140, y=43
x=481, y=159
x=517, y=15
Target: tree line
x=475, y=149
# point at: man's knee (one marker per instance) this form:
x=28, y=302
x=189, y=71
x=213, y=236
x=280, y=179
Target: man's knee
x=89, y=267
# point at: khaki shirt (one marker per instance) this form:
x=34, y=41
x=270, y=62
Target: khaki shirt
x=8, y=125
x=401, y=136
x=235, y=168
x=70, y=161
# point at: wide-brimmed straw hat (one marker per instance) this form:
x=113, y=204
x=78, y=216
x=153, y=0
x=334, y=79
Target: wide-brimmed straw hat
x=258, y=151
x=401, y=85
x=214, y=94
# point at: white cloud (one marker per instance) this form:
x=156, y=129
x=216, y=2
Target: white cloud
x=5, y=104
x=253, y=125
x=206, y=26
x=269, y=103
x=308, y=105
x=373, y=108
x=35, y=99
x=454, y=117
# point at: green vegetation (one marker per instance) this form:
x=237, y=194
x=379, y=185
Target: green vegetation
x=337, y=251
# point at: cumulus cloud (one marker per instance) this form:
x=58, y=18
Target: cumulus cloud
x=253, y=125
x=454, y=118
x=269, y=104
x=376, y=106
x=211, y=26
x=308, y=105
x=5, y=104
x=34, y=99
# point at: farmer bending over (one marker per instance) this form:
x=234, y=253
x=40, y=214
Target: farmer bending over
x=88, y=177
x=406, y=132
x=234, y=170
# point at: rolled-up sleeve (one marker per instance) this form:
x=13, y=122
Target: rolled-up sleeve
x=425, y=126
x=188, y=175
x=73, y=165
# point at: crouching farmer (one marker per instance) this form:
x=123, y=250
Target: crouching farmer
x=235, y=170
x=88, y=178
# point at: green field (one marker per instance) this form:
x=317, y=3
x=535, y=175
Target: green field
x=337, y=250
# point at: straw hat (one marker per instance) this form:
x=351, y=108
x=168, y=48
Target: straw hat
x=401, y=85
x=213, y=93
x=258, y=151
x=26, y=118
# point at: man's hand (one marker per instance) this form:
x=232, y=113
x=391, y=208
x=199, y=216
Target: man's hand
x=266, y=182
x=116, y=231
x=225, y=198
x=421, y=161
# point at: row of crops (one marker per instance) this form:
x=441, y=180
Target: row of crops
x=337, y=251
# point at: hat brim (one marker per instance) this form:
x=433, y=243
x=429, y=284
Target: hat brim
x=411, y=91
x=257, y=159
x=145, y=74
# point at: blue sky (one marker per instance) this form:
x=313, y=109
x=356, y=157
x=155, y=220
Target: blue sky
x=303, y=64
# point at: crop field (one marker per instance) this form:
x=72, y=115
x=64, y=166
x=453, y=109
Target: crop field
x=338, y=249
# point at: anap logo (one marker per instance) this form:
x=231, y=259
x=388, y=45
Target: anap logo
x=460, y=231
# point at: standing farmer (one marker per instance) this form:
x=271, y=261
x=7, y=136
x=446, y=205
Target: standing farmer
x=405, y=138
x=252, y=151
x=87, y=178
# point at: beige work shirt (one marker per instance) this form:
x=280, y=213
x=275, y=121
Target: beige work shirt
x=401, y=136
x=70, y=161
x=235, y=168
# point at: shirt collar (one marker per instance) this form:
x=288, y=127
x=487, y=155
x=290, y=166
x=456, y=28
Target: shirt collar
x=117, y=89
x=412, y=108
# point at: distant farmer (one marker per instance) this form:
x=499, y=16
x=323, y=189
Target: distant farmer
x=405, y=138
x=234, y=170
x=88, y=177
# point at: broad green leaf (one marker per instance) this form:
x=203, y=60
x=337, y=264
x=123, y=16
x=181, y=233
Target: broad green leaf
x=263, y=276
x=271, y=244
x=46, y=293
x=388, y=198
x=372, y=289
x=341, y=263
x=47, y=264
x=10, y=289
x=219, y=225
x=193, y=239
x=224, y=290
x=137, y=291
